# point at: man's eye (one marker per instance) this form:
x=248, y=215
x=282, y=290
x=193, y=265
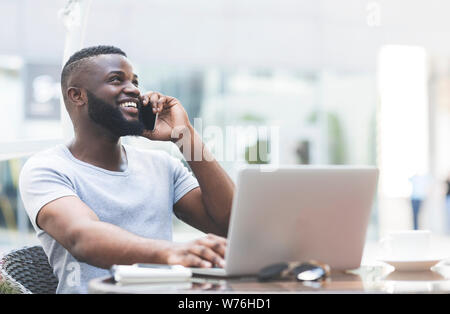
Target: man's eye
x=136, y=83
x=115, y=79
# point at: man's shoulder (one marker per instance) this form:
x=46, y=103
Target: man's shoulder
x=52, y=157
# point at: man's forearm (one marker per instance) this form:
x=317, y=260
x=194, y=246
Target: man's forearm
x=103, y=245
x=216, y=186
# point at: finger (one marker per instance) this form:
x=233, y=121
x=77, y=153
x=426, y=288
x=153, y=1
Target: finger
x=171, y=101
x=145, y=99
x=216, y=246
x=187, y=259
x=207, y=254
x=154, y=97
x=214, y=237
x=195, y=261
x=161, y=103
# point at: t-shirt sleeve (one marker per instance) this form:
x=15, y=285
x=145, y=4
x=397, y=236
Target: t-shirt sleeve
x=184, y=181
x=39, y=185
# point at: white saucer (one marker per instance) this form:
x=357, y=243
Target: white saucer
x=412, y=265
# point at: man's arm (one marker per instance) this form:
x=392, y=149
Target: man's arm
x=209, y=207
x=77, y=228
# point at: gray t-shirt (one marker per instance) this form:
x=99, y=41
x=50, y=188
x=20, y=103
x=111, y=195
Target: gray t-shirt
x=139, y=199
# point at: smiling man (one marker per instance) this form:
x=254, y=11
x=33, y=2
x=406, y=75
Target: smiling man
x=95, y=202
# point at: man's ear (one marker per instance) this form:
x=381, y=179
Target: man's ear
x=77, y=96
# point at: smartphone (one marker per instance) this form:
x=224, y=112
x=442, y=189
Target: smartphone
x=147, y=117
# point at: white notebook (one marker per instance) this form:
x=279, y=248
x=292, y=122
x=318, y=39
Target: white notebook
x=149, y=273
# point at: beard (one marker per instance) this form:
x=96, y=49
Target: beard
x=111, y=118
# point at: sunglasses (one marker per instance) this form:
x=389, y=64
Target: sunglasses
x=300, y=271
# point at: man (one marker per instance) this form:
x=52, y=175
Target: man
x=95, y=202
x=420, y=189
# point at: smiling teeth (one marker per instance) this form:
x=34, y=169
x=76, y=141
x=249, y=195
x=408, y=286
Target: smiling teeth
x=128, y=104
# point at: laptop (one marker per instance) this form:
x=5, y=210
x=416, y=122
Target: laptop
x=298, y=213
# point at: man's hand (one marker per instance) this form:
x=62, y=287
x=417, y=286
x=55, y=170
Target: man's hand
x=209, y=207
x=205, y=252
x=172, y=118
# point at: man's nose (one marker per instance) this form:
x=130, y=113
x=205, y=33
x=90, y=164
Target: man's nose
x=132, y=89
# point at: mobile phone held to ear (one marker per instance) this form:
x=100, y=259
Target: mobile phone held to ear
x=147, y=117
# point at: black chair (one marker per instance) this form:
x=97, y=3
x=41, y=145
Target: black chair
x=27, y=271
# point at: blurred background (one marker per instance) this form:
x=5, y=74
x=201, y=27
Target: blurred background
x=350, y=82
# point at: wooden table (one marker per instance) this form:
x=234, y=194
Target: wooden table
x=366, y=279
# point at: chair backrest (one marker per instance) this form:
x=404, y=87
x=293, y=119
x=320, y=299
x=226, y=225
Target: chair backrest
x=27, y=270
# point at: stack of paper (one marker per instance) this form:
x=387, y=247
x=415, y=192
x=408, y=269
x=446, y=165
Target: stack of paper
x=149, y=274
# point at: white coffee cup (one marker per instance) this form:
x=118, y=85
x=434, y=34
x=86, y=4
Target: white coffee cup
x=408, y=245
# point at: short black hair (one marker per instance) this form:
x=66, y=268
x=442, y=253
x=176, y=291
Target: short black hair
x=75, y=61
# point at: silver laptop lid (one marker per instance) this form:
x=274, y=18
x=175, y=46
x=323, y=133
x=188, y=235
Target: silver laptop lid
x=298, y=213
